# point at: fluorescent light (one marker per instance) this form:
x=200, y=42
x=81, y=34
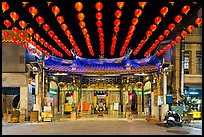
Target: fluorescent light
x=139, y=74
x=60, y=74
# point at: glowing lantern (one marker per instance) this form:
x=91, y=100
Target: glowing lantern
x=15, y=29
x=5, y=34
x=120, y=4
x=78, y=6
x=82, y=24
x=142, y=42
x=118, y=13
x=166, y=32
x=156, y=42
x=34, y=51
x=117, y=22
x=190, y=28
x=186, y=9
x=41, y=40
x=7, y=23
x=33, y=43
x=28, y=40
x=149, y=33
x=80, y=16
x=33, y=11
x=25, y=46
x=22, y=35
x=161, y=37
x=101, y=35
x=178, y=18
x=67, y=32
x=98, y=16
x=23, y=24
x=100, y=30
x=132, y=28
x=134, y=21
x=138, y=12
x=19, y=43
x=51, y=33
x=5, y=6
x=46, y=44
x=198, y=21
x=55, y=38
x=40, y=20
x=164, y=11
x=168, y=46
x=142, y=4
x=14, y=16
x=99, y=23
x=84, y=31
x=153, y=27
x=183, y=33
x=116, y=29
x=64, y=26
x=99, y=6
x=14, y=39
x=60, y=19
x=171, y=26
x=36, y=36
x=178, y=38
x=157, y=20
x=55, y=10
x=30, y=31
x=130, y=33
x=46, y=27
x=173, y=42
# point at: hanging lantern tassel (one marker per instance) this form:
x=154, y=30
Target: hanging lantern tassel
x=24, y=4
x=48, y=3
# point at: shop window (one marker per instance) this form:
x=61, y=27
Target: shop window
x=199, y=63
x=186, y=62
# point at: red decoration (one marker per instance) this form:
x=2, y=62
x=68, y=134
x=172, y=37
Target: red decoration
x=36, y=36
x=161, y=37
x=149, y=33
x=186, y=9
x=64, y=26
x=67, y=32
x=134, y=21
x=55, y=10
x=84, y=31
x=190, y=28
x=156, y=42
x=33, y=11
x=198, y=21
x=178, y=38
x=25, y=46
x=14, y=38
x=78, y=6
x=51, y=33
x=28, y=40
x=166, y=32
x=142, y=4
x=80, y=16
x=120, y=4
x=23, y=24
x=55, y=38
x=178, y=18
x=157, y=20
x=19, y=43
x=164, y=11
x=30, y=31
x=153, y=27
x=14, y=16
x=15, y=29
x=117, y=22
x=100, y=30
x=99, y=16
x=138, y=12
x=60, y=19
x=98, y=23
x=99, y=6
x=132, y=28
x=116, y=29
x=5, y=34
x=41, y=40
x=7, y=23
x=82, y=24
x=22, y=35
x=142, y=42
x=40, y=20
x=5, y=6
x=168, y=46
x=183, y=33
x=171, y=26
x=46, y=27
x=118, y=13
x=173, y=42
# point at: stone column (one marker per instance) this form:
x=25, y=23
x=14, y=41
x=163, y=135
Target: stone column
x=24, y=100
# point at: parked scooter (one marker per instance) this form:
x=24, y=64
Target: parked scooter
x=172, y=118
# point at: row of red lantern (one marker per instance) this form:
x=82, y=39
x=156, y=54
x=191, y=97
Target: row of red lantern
x=116, y=22
x=5, y=6
x=99, y=7
x=81, y=16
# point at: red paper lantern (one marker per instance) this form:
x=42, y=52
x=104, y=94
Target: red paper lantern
x=22, y=35
x=134, y=21
x=149, y=33
x=25, y=46
x=118, y=13
x=190, y=28
x=46, y=44
x=153, y=46
x=178, y=38
x=7, y=23
x=51, y=33
x=178, y=18
x=84, y=31
x=30, y=31
x=98, y=23
x=117, y=22
x=5, y=34
x=40, y=20
x=142, y=4
x=14, y=38
x=120, y=4
x=82, y=24
x=55, y=38
x=168, y=46
x=5, y=6
x=67, y=32
x=116, y=29
x=161, y=37
x=138, y=12
x=130, y=33
x=60, y=19
x=142, y=42
x=34, y=51
x=19, y=43
x=100, y=30
x=55, y=10
x=156, y=42
x=173, y=42
x=28, y=40
x=132, y=28
x=164, y=11
x=166, y=32
x=157, y=20
x=64, y=26
x=46, y=27
x=36, y=36
x=153, y=27
x=99, y=6
x=99, y=16
x=183, y=33
x=198, y=21
x=101, y=35
x=15, y=29
x=186, y=9
x=14, y=16
x=78, y=6
x=41, y=40
x=33, y=43
x=33, y=11
x=80, y=16
x=23, y=24
x=171, y=26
